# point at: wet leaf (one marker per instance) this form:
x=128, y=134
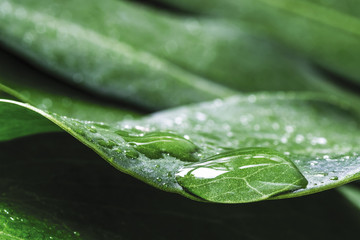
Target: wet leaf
x=294, y=125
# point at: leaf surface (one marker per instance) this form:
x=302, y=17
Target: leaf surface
x=158, y=148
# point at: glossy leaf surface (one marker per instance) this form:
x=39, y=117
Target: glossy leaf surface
x=293, y=124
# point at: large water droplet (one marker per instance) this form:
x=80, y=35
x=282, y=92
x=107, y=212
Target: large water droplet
x=244, y=175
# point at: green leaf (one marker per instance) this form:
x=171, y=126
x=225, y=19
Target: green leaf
x=28, y=85
x=67, y=188
x=17, y=121
x=326, y=32
x=161, y=61
x=157, y=149
x=95, y=60
x=352, y=193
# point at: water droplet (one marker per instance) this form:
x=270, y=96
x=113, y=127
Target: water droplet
x=313, y=163
x=101, y=125
x=92, y=129
x=334, y=178
x=155, y=144
x=299, y=138
x=108, y=144
x=318, y=140
x=132, y=154
x=231, y=176
x=77, y=234
x=289, y=129
x=321, y=174
x=200, y=116
x=79, y=131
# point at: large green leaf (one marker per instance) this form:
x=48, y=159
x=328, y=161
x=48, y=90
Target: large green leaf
x=147, y=57
x=199, y=149
x=68, y=188
x=327, y=32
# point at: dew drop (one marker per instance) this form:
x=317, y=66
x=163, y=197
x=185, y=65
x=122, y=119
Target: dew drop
x=155, y=144
x=132, y=154
x=107, y=144
x=230, y=176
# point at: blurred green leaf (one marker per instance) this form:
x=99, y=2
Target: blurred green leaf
x=150, y=58
x=325, y=32
x=351, y=193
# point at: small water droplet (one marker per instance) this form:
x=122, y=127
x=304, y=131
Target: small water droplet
x=92, y=129
x=289, y=129
x=334, y=178
x=318, y=140
x=79, y=131
x=132, y=154
x=299, y=138
x=313, y=163
x=321, y=174
x=107, y=144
